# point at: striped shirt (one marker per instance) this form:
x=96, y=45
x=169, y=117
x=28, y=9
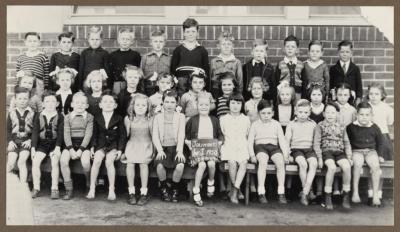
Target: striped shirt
x=222, y=106
x=38, y=64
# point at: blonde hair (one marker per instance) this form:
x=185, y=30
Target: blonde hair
x=285, y=85
x=135, y=68
x=68, y=71
x=79, y=94
x=226, y=35
x=127, y=31
x=93, y=74
x=256, y=80
x=131, y=108
x=204, y=95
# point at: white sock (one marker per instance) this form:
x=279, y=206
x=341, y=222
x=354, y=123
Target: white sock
x=196, y=190
x=346, y=188
x=210, y=182
x=370, y=193
x=111, y=189
x=143, y=191
x=131, y=190
x=380, y=194
x=261, y=190
x=328, y=189
x=281, y=189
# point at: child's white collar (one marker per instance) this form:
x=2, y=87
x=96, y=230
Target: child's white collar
x=73, y=114
x=254, y=62
x=49, y=114
x=358, y=124
x=287, y=60
x=225, y=59
x=60, y=92
x=27, y=108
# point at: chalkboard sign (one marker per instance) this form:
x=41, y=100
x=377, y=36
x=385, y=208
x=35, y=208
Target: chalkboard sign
x=203, y=148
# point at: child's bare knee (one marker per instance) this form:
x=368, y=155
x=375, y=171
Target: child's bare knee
x=179, y=167
x=202, y=165
x=211, y=164
x=109, y=162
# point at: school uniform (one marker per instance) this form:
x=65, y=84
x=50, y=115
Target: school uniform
x=64, y=102
x=291, y=71
x=78, y=130
x=19, y=127
x=47, y=132
x=109, y=132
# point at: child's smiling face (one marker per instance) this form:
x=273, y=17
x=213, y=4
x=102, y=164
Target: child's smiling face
x=190, y=34
x=32, y=42
x=203, y=105
x=140, y=106
x=227, y=86
x=66, y=44
x=94, y=40
x=27, y=82
x=65, y=81
x=157, y=43
x=125, y=40
x=259, y=52
x=107, y=103
x=315, y=52
x=197, y=84
x=169, y=104
x=79, y=104
x=50, y=103
x=22, y=100
x=290, y=49
x=345, y=53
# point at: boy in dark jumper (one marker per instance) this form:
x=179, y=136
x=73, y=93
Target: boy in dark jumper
x=259, y=67
x=120, y=58
x=346, y=71
x=366, y=142
x=188, y=56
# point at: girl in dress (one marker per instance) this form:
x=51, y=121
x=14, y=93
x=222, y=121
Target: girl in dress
x=203, y=126
x=139, y=148
x=235, y=128
x=284, y=110
x=257, y=88
x=94, y=83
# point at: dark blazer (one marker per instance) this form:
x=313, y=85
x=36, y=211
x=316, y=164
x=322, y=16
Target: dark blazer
x=66, y=108
x=352, y=77
x=268, y=78
x=192, y=128
x=276, y=113
x=113, y=136
x=57, y=130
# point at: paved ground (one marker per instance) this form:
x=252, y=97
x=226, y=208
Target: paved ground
x=80, y=211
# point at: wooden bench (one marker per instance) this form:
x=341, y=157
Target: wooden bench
x=292, y=169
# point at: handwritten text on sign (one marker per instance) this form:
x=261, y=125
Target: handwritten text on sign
x=204, y=147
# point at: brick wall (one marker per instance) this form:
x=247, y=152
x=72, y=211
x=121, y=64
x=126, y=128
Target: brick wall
x=372, y=52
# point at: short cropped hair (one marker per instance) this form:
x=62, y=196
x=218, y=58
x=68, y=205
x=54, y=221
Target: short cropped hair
x=158, y=32
x=170, y=93
x=18, y=90
x=126, y=30
x=48, y=93
x=264, y=104
x=333, y=104
x=303, y=103
x=315, y=42
x=260, y=42
x=32, y=33
x=66, y=35
x=95, y=30
x=345, y=43
x=190, y=22
x=291, y=38
x=363, y=105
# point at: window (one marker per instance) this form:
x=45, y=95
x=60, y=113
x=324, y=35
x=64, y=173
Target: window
x=237, y=11
x=119, y=10
x=265, y=10
x=335, y=11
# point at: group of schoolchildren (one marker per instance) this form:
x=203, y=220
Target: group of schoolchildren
x=148, y=109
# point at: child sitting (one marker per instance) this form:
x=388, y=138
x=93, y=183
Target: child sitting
x=155, y=62
x=164, y=82
x=139, y=149
x=36, y=61
x=78, y=130
x=168, y=138
x=65, y=58
x=19, y=131
x=27, y=80
x=120, y=58
x=332, y=146
x=266, y=141
x=290, y=68
x=259, y=67
x=225, y=61
x=235, y=128
x=366, y=141
x=108, y=141
x=188, y=57
x=203, y=126
x=47, y=139
x=345, y=71
x=300, y=134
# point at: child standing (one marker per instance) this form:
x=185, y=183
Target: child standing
x=168, y=139
x=65, y=79
x=189, y=100
x=108, y=141
x=315, y=71
x=256, y=87
x=19, y=131
x=27, y=80
x=155, y=62
x=346, y=71
x=290, y=68
x=316, y=95
x=347, y=112
x=235, y=128
x=36, y=61
x=383, y=117
x=95, y=82
x=92, y=58
x=284, y=111
x=227, y=87
x=366, y=142
x=78, y=130
x=164, y=82
x=300, y=134
x=120, y=58
x=266, y=141
x=332, y=146
x=203, y=126
x=47, y=139
x=139, y=149
x=259, y=67
x=189, y=56
x=225, y=61
x=65, y=58
x=134, y=80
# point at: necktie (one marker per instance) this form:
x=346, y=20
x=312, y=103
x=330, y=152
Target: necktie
x=344, y=67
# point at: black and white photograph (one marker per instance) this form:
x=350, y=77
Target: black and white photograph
x=162, y=115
